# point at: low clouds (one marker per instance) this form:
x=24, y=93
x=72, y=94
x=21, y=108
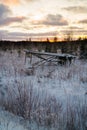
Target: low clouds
x=29, y=0
x=74, y=32
x=21, y=34
x=84, y=21
x=76, y=9
x=74, y=28
x=53, y=20
x=5, y=18
x=3, y=33
x=11, y=2
x=40, y=16
x=4, y=11
x=15, y=2
x=10, y=20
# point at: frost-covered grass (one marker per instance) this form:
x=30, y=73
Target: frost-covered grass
x=55, y=97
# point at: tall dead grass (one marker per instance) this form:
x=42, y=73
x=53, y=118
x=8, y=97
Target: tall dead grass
x=47, y=111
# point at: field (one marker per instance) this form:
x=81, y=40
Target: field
x=49, y=97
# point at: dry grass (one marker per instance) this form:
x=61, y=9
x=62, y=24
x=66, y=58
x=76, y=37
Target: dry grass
x=46, y=110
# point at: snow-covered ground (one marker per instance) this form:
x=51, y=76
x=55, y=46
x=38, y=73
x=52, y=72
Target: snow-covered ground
x=67, y=84
x=10, y=122
x=63, y=81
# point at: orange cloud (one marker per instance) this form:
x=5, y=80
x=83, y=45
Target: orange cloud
x=11, y=2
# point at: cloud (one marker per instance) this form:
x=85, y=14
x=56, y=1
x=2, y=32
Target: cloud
x=53, y=20
x=3, y=32
x=5, y=35
x=21, y=34
x=76, y=9
x=74, y=31
x=75, y=28
x=9, y=20
x=16, y=2
x=28, y=1
x=4, y=16
x=11, y=2
x=84, y=21
x=4, y=11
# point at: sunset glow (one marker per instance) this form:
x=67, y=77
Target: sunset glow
x=42, y=19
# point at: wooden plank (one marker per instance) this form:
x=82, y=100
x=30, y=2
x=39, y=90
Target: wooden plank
x=49, y=54
x=50, y=57
x=43, y=61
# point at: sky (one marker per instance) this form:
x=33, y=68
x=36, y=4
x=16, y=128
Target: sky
x=39, y=19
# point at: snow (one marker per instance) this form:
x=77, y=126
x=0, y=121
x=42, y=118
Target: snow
x=10, y=122
x=64, y=83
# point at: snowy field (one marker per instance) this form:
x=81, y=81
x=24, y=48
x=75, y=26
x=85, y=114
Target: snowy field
x=53, y=97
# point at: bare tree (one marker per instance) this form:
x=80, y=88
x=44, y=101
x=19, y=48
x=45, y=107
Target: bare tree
x=55, y=39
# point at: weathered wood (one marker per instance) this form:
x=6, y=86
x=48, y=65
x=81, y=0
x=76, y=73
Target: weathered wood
x=50, y=57
x=43, y=62
x=49, y=54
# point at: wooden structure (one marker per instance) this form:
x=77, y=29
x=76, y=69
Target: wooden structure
x=45, y=57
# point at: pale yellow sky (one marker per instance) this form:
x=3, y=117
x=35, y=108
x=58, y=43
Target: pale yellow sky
x=21, y=19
